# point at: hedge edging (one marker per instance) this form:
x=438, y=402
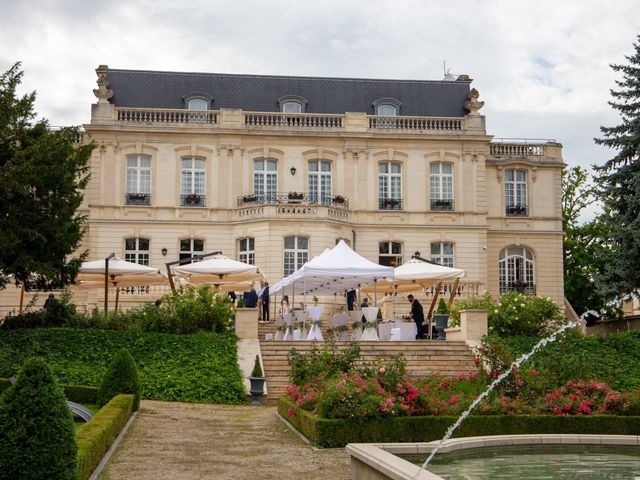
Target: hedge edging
x=331, y=433
x=96, y=436
x=75, y=393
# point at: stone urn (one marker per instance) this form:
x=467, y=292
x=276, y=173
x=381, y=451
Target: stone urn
x=256, y=389
x=441, y=324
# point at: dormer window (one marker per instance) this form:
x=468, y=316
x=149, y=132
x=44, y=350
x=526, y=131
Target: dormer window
x=386, y=110
x=292, y=104
x=197, y=104
x=291, y=107
x=197, y=101
x=387, y=107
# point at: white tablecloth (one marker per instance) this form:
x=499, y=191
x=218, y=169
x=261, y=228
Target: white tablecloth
x=407, y=330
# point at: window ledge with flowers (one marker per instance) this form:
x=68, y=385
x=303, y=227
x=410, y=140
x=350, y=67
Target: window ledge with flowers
x=295, y=196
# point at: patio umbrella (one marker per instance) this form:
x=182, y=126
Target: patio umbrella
x=117, y=272
x=219, y=271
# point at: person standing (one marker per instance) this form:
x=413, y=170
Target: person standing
x=351, y=299
x=250, y=298
x=264, y=298
x=417, y=313
x=284, y=305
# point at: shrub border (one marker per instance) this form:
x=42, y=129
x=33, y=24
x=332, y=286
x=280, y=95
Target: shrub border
x=75, y=393
x=96, y=436
x=333, y=433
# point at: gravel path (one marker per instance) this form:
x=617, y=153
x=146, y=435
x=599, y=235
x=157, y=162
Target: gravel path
x=186, y=441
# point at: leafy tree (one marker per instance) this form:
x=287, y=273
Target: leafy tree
x=619, y=183
x=42, y=175
x=585, y=244
x=37, y=431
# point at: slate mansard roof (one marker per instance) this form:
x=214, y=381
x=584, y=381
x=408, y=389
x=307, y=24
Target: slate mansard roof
x=260, y=93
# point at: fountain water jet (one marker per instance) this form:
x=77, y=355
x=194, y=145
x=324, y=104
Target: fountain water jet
x=519, y=361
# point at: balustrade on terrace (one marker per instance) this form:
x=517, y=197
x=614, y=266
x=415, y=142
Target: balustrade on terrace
x=286, y=121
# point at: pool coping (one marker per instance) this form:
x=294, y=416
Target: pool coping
x=378, y=461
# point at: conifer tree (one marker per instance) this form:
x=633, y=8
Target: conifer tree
x=42, y=175
x=37, y=432
x=619, y=183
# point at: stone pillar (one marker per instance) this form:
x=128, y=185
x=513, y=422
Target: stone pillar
x=247, y=323
x=473, y=325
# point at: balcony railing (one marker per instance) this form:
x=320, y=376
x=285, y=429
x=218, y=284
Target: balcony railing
x=523, y=287
x=446, y=124
x=288, y=198
x=519, y=147
x=516, y=210
x=193, y=200
x=278, y=120
x=167, y=116
x=389, y=204
x=441, y=205
x=133, y=198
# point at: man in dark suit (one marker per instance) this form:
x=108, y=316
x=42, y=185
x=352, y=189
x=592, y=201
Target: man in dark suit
x=264, y=297
x=418, y=316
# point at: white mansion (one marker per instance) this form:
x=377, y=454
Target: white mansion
x=272, y=170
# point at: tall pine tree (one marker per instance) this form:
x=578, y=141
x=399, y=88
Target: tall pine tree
x=619, y=183
x=42, y=176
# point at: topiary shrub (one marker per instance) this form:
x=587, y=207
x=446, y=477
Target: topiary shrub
x=121, y=377
x=36, y=428
x=257, y=369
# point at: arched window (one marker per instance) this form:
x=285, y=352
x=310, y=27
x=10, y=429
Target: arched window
x=136, y=250
x=441, y=186
x=296, y=253
x=265, y=180
x=390, y=254
x=386, y=110
x=138, y=185
x=192, y=182
x=515, y=192
x=292, y=107
x=442, y=253
x=190, y=247
x=246, y=250
x=320, y=181
x=389, y=186
x=517, y=270
x=197, y=104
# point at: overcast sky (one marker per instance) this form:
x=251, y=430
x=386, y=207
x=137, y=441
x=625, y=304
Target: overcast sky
x=542, y=67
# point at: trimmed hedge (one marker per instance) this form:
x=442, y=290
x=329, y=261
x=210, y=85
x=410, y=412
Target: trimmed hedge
x=121, y=377
x=75, y=393
x=201, y=367
x=331, y=433
x=96, y=436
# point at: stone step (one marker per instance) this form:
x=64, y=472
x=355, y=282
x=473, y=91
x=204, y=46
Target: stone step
x=424, y=358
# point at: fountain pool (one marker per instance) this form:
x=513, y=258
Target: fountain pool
x=503, y=456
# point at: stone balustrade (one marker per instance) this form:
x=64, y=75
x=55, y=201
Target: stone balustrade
x=278, y=120
x=517, y=149
x=165, y=116
x=416, y=124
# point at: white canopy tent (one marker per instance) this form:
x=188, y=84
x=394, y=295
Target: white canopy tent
x=334, y=271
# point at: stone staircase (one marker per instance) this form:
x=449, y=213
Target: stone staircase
x=425, y=357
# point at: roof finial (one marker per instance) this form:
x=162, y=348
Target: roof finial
x=102, y=92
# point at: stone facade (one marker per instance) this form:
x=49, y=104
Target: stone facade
x=479, y=218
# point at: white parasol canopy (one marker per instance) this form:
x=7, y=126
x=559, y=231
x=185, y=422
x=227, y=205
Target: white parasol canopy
x=120, y=273
x=220, y=271
x=415, y=275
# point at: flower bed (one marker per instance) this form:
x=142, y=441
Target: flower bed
x=333, y=402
